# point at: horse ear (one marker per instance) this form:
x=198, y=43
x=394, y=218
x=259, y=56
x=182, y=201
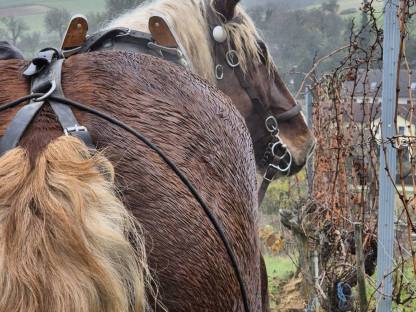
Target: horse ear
x=161, y=32
x=226, y=7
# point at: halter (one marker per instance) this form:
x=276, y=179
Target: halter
x=277, y=158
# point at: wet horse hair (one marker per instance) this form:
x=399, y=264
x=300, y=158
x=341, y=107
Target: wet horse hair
x=161, y=205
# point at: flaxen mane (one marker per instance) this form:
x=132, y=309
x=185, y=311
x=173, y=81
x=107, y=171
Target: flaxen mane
x=189, y=18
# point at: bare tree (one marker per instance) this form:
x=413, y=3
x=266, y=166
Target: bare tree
x=14, y=28
x=117, y=7
x=30, y=43
x=56, y=20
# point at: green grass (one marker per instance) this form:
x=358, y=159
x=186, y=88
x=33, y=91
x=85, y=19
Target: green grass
x=409, y=277
x=279, y=267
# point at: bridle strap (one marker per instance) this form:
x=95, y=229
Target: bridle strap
x=273, y=167
x=290, y=114
x=258, y=103
x=261, y=193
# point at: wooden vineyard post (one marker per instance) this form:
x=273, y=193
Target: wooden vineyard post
x=359, y=255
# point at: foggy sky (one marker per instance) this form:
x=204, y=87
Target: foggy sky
x=254, y=2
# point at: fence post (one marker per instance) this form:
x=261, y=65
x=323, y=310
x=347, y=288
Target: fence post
x=309, y=117
x=386, y=209
x=359, y=256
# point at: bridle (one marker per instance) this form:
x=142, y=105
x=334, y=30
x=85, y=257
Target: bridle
x=45, y=74
x=277, y=158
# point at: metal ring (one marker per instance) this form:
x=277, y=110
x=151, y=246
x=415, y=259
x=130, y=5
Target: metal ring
x=47, y=94
x=276, y=146
x=289, y=164
x=271, y=124
x=230, y=57
x=219, y=72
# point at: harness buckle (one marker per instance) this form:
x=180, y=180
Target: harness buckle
x=126, y=32
x=160, y=48
x=76, y=128
x=271, y=171
x=232, y=58
x=219, y=72
x=276, y=166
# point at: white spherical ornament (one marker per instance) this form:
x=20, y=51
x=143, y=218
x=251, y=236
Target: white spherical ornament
x=219, y=34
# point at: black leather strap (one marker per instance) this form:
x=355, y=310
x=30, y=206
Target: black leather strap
x=45, y=71
x=18, y=126
x=258, y=103
x=125, y=39
x=98, y=40
x=64, y=113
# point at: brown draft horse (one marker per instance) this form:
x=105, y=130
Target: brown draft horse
x=63, y=232
x=193, y=21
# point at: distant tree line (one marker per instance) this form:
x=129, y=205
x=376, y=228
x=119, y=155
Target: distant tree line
x=297, y=34
x=297, y=38
x=17, y=31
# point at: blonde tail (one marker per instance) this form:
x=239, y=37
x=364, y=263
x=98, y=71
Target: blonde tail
x=66, y=241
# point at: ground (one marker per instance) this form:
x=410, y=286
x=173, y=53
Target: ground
x=286, y=297
x=284, y=288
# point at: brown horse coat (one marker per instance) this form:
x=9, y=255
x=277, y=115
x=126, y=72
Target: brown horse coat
x=198, y=128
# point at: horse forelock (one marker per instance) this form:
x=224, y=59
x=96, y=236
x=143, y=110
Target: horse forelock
x=190, y=21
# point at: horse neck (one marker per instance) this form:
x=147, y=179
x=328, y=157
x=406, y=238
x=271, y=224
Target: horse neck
x=187, y=19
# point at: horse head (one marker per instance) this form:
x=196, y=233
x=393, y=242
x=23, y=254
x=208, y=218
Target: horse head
x=224, y=47
x=245, y=71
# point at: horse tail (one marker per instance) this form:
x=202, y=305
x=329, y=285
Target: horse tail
x=67, y=243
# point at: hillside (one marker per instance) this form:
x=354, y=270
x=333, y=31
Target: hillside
x=33, y=11
x=71, y=5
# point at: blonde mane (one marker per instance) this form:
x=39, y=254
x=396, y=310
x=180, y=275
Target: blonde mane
x=189, y=18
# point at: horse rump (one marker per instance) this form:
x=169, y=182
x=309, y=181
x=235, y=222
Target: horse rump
x=67, y=243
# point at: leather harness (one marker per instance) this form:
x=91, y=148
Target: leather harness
x=45, y=73
x=125, y=39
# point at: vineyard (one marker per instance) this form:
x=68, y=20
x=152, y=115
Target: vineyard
x=330, y=219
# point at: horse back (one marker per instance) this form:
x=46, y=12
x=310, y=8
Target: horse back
x=201, y=131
